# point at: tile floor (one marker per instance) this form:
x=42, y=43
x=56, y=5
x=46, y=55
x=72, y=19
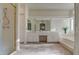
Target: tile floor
x=42, y=49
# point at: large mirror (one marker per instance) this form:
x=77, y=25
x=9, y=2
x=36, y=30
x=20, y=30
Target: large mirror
x=42, y=26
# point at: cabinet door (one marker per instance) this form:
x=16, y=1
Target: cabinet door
x=43, y=38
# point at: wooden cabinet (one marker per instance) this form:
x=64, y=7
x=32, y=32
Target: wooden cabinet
x=43, y=38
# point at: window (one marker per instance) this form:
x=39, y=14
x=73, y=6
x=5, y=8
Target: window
x=72, y=25
x=29, y=25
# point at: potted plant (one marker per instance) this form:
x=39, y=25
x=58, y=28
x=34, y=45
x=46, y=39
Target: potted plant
x=65, y=29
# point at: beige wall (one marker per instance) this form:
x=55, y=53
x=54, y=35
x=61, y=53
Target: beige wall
x=53, y=13
x=76, y=47
x=8, y=33
x=1, y=41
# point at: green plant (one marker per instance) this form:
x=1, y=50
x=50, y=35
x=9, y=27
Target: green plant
x=65, y=29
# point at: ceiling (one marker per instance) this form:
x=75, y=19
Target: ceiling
x=50, y=6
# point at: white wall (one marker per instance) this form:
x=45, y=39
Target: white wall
x=35, y=24
x=22, y=17
x=59, y=23
x=34, y=36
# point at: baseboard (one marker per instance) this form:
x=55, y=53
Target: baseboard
x=13, y=53
x=21, y=42
x=67, y=47
x=41, y=42
x=53, y=42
